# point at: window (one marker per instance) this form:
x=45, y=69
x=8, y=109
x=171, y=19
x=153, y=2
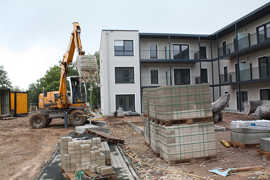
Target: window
x=204, y=76
x=180, y=51
x=263, y=32
x=224, y=48
x=203, y=53
x=226, y=74
x=181, y=76
x=243, y=40
x=126, y=102
x=123, y=48
x=264, y=67
x=244, y=98
x=154, y=76
x=153, y=51
x=124, y=75
x=265, y=94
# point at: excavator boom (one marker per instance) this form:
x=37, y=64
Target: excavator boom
x=75, y=42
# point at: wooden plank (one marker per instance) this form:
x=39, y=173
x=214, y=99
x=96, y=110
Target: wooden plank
x=107, y=137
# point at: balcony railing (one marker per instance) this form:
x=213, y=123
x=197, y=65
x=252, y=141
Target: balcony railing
x=166, y=55
x=245, y=42
x=245, y=75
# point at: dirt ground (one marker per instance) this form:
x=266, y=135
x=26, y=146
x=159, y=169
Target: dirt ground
x=150, y=166
x=24, y=150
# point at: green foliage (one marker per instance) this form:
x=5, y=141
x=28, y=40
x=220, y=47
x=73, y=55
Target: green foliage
x=4, y=80
x=49, y=82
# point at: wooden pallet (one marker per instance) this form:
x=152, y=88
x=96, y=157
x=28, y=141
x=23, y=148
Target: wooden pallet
x=173, y=162
x=265, y=155
x=182, y=121
x=242, y=146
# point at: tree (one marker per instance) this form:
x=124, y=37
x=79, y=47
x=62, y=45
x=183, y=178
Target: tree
x=49, y=82
x=4, y=80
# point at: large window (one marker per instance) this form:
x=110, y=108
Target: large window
x=264, y=67
x=265, y=94
x=123, y=48
x=154, y=76
x=263, y=32
x=126, y=102
x=181, y=76
x=124, y=75
x=153, y=51
x=204, y=75
x=180, y=51
x=203, y=52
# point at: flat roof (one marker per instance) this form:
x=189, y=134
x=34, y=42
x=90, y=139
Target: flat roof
x=119, y=30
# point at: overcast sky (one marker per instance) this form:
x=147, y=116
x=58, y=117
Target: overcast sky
x=34, y=34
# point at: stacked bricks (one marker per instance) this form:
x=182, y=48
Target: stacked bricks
x=84, y=154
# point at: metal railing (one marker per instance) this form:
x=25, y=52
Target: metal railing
x=245, y=75
x=166, y=55
x=244, y=43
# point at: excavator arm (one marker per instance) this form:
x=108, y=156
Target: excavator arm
x=75, y=43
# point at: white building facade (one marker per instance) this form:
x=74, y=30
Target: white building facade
x=234, y=59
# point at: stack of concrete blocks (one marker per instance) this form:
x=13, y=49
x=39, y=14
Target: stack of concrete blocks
x=84, y=154
x=154, y=137
x=105, y=149
x=146, y=130
x=179, y=141
x=65, y=158
x=179, y=102
x=185, y=141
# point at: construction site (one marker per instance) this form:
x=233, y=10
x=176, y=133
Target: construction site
x=145, y=106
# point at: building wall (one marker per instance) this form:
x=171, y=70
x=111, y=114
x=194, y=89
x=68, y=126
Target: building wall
x=109, y=89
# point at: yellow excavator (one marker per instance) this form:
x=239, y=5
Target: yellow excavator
x=69, y=102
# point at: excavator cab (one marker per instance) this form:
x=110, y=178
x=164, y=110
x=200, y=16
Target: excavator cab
x=76, y=90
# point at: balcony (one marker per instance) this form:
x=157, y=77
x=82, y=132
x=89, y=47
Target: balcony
x=166, y=56
x=246, y=76
x=246, y=43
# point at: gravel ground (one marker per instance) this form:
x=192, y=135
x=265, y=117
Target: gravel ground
x=150, y=166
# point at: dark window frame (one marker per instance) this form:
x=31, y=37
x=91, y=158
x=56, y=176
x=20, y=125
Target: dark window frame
x=202, y=80
x=265, y=32
x=261, y=91
x=225, y=72
x=117, y=81
x=124, y=51
x=205, y=54
x=267, y=61
x=188, y=81
x=133, y=109
x=180, y=45
x=155, y=51
x=154, y=80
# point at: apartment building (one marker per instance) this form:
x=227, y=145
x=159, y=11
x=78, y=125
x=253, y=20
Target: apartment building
x=234, y=59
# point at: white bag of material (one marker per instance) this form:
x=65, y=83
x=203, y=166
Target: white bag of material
x=255, y=124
